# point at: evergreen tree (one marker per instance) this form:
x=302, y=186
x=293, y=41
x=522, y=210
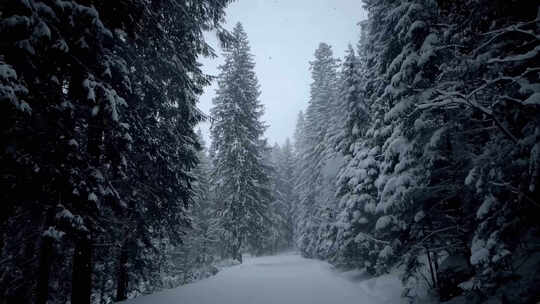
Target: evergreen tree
x=299, y=150
x=283, y=183
x=193, y=259
x=286, y=168
x=99, y=116
x=356, y=180
x=439, y=80
x=438, y=117
x=240, y=177
x=422, y=151
x=314, y=184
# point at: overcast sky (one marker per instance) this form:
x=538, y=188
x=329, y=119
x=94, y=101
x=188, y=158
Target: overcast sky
x=283, y=36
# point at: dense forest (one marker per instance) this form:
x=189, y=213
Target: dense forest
x=435, y=124
x=418, y=152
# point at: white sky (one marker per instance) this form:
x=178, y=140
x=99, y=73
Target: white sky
x=283, y=36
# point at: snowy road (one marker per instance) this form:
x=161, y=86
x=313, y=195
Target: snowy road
x=281, y=279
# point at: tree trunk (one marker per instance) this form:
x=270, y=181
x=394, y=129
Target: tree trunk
x=239, y=256
x=436, y=264
x=431, y=269
x=81, y=286
x=122, y=278
x=236, y=253
x=42, y=292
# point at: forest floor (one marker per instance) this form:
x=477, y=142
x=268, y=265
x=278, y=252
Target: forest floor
x=282, y=279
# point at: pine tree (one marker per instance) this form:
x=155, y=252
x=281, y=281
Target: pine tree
x=297, y=208
x=493, y=88
x=315, y=190
x=99, y=126
x=240, y=177
x=439, y=118
x=204, y=211
x=193, y=259
x=283, y=183
x=286, y=168
x=356, y=180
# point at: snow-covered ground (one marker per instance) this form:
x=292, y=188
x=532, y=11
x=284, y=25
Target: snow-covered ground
x=283, y=279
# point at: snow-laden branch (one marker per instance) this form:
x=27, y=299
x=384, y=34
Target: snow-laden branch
x=436, y=232
x=455, y=97
x=507, y=30
x=369, y=237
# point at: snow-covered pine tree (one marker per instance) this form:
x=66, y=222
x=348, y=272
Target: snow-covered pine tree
x=165, y=82
x=397, y=61
x=299, y=148
x=315, y=184
x=286, y=169
x=192, y=260
x=100, y=172
x=490, y=78
x=282, y=183
x=299, y=134
x=240, y=177
x=446, y=87
x=204, y=209
x=272, y=241
x=59, y=102
x=356, y=191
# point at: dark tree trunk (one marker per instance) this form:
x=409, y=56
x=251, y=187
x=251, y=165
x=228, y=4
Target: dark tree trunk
x=239, y=256
x=235, y=253
x=434, y=280
x=44, y=270
x=436, y=265
x=122, y=277
x=42, y=294
x=82, y=271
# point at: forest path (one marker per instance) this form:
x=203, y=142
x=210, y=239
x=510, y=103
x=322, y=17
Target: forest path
x=283, y=279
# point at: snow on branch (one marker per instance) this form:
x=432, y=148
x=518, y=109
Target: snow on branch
x=508, y=30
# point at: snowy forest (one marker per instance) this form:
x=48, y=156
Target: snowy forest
x=417, y=156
